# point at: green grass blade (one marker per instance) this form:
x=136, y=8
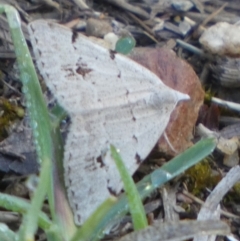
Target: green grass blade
x=47, y=137
x=20, y=205
x=85, y=232
x=146, y=186
x=35, y=102
x=39, y=121
x=6, y=234
x=54, y=234
x=134, y=201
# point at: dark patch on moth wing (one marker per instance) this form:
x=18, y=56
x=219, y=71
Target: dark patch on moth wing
x=42, y=63
x=112, y=54
x=62, y=96
x=90, y=192
x=133, y=117
x=79, y=218
x=77, y=207
x=74, y=36
x=135, y=138
x=100, y=160
x=69, y=72
x=138, y=158
x=119, y=75
x=91, y=166
x=68, y=171
x=83, y=71
x=112, y=192
x=68, y=174
x=36, y=40
x=39, y=51
x=51, y=25
x=32, y=28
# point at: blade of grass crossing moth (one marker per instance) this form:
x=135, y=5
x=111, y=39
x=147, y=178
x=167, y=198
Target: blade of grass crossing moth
x=86, y=231
x=39, y=121
x=134, y=201
x=145, y=187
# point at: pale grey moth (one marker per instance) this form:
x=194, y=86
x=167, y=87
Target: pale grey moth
x=110, y=100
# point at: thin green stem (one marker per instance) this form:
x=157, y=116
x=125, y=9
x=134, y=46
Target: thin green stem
x=85, y=232
x=134, y=201
x=20, y=205
x=39, y=121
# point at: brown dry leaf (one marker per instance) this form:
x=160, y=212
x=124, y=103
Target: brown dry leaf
x=209, y=116
x=180, y=76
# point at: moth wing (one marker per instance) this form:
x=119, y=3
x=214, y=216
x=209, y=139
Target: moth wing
x=110, y=99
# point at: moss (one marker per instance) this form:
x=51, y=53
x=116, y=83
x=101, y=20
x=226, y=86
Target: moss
x=200, y=177
x=233, y=195
x=8, y=114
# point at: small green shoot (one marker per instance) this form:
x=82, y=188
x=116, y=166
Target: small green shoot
x=86, y=231
x=134, y=201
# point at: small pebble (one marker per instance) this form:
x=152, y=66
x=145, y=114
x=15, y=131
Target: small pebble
x=182, y=5
x=222, y=39
x=97, y=27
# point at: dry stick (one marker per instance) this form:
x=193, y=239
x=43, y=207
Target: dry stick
x=199, y=201
x=53, y=4
x=20, y=10
x=81, y=4
x=215, y=13
x=140, y=22
x=129, y=7
x=148, y=32
x=11, y=87
x=215, y=197
x=198, y=4
x=151, y=37
x=209, y=18
x=201, y=25
x=219, y=18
